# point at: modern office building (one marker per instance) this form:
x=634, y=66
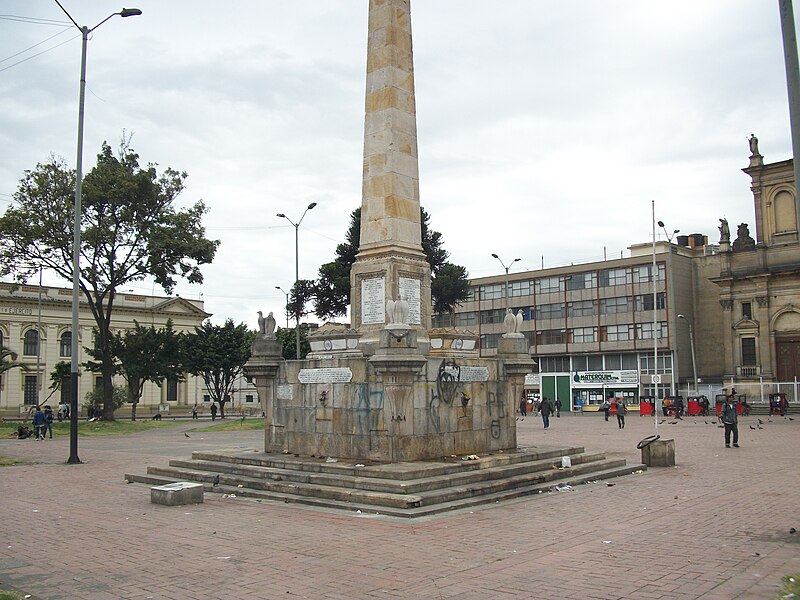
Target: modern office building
x=716, y=316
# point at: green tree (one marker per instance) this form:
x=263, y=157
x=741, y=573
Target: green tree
x=449, y=288
x=131, y=231
x=145, y=354
x=288, y=340
x=96, y=399
x=332, y=290
x=217, y=353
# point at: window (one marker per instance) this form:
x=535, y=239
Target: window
x=492, y=292
x=594, y=362
x=492, y=316
x=664, y=363
x=644, y=273
x=749, y=352
x=747, y=310
x=550, y=311
x=583, y=335
x=581, y=281
x=617, y=333
x=472, y=294
x=489, y=340
x=548, y=285
x=644, y=331
x=98, y=382
x=613, y=362
x=1, y=338
x=248, y=398
x=584, y=308
x=467, y=318
x=30, y=346
x=520, y=288
x=206, y=398
x=172, y=390
x=645, y=302
x=611, y=277
x=554, y=364
x=630, y=362
x=551, y=336
x=30, y=392
x=66, y=390
x=579, y=363
x=441, y=320
x=610, y=306
x=65, y=347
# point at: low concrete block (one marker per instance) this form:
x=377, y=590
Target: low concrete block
x=177, y=494
x=660, y=453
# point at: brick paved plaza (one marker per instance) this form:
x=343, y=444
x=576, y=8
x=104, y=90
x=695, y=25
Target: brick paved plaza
x=716, y=526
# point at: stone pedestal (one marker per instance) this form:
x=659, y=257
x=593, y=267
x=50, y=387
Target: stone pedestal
x=262, y=368
x=660, y=453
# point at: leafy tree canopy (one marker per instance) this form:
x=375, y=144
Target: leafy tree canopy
x=131, y=230
x=217, y=353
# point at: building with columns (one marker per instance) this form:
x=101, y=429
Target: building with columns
x=35, y=323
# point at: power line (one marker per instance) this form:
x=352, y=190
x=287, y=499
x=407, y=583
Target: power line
x=35, y=20
x=34, y=46
x=39, y=53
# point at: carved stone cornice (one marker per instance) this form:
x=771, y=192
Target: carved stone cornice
x=763, y=301
x=726, y=304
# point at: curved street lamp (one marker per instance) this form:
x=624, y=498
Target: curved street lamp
x=506, y=268
x=297, y=270
x=286, y=306
x=76, y=242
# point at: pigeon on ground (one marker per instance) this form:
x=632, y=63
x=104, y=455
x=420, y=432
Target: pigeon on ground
x=673, y=422
x=791, y=418
x=216, y=481
x=751, y=427
x=186, y=434
x=760, y=422
x=759, y=426
x=793, y=531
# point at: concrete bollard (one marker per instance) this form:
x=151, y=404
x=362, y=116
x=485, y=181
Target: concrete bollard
x=659, y=453
x=177, y=494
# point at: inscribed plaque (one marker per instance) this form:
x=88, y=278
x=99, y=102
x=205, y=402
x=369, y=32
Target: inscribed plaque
x=373, y=300
x=409, y=291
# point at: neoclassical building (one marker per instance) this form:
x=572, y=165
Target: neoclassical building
x=759, y=282
x=35, y=323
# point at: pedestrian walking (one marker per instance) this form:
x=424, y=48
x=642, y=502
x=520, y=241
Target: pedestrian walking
x=60, y=412
x=38, y=424
x=213, y=411
x=558, y=408
x=606, y=407
x=194, y=411
x=622, y=410
x=730, y=421
x=545, y=409
x=523, y=407
x=48, y=421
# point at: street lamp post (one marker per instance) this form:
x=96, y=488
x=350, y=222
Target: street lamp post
x=666, y=233
x=286, y=306
x=505, y=293
x=691, y=345
x=297, y=270
x=76, y=241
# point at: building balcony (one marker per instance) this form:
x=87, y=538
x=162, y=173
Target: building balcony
x=749, y=371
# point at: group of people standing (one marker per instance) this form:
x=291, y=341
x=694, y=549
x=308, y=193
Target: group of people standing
x=619, y=406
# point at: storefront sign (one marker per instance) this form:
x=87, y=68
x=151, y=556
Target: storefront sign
x=531, y=379
x=15, y=310
x=605, y=378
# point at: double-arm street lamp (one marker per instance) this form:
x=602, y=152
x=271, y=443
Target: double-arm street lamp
x=76, y=242
x=506, y=268
x=297, y=271
x=286, y=306
x=666, y=233
x=691, y=344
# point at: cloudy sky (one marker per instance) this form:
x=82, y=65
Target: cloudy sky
x=545, y=128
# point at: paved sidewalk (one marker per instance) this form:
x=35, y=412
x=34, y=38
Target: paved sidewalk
x=714, y=527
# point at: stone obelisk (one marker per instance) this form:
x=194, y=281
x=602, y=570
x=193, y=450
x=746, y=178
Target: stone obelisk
x=391, y=264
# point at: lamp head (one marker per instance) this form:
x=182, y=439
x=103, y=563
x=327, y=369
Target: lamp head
x=281, y=215
x=130, y=12
x=681, y=317
x=660, y=223
x=515, y=260
x=495, y=256
x=312, y=205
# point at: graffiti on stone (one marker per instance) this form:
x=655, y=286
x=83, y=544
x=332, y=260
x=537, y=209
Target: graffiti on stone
x=433, y=412
x=366, y=414
x=447, y=381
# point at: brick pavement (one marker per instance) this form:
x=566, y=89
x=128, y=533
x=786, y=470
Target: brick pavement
x=714, y=527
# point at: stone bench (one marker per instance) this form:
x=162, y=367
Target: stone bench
x=177, y=494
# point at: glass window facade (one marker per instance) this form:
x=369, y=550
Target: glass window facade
x=30, y=345
x=610, y=306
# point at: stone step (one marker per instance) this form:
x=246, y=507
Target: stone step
x=445, y=491
x=393, y=471
x=413, y=512
x=359, y=478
